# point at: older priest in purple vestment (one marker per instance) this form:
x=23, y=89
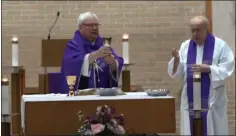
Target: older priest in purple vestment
x=95, y=65
x=214, y=59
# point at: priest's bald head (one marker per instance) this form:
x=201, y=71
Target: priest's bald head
x=199, y=28
x=88, y=25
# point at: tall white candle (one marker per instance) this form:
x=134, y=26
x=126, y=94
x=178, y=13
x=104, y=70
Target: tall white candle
x=125, y=48
x=197, y=91
x=5, y=96
x=15, y=53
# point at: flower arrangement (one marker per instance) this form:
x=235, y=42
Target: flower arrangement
x=105, y=123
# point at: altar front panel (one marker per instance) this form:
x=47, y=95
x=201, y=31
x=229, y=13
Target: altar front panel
x=60, y=117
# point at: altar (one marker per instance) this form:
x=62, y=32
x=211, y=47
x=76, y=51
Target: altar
x=48, y=114
x=56, y=114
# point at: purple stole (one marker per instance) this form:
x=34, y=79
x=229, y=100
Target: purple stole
x=205, y=79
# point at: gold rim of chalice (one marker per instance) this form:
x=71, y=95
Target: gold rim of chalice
x=71, y=79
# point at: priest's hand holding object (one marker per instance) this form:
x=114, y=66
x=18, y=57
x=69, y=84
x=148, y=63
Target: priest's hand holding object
x=100, y=53
x=109, y=59
x=103, y=51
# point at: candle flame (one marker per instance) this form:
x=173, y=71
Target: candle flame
x=125, y=36
x=14, y=38
x=4, y=78
x=197, y=75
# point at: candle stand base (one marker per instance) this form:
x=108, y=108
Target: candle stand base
x=197, y=121
x=126, y=83
x=6, y=125
x=6, y=129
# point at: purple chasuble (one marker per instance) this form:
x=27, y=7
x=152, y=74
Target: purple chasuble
x=73, y=58
x=205, y=79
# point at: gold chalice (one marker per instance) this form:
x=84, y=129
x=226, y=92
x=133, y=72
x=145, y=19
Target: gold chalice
x=71, y=82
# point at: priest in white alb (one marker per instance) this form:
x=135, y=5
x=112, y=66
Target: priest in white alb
x=214, y=59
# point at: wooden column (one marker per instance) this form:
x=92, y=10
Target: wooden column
x=126, y=77
x=208, y=6
x=6, y=129
x=17, y=89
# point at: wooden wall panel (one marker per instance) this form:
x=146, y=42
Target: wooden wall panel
x=209, y=13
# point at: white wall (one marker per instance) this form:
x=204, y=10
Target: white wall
x=223, y=20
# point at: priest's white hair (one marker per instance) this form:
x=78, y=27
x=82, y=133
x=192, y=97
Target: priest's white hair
x=200, y=19
x=84, y=16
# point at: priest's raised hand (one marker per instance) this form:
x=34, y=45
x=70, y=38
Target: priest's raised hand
x=175, y=55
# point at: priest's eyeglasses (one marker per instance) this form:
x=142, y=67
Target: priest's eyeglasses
x=92, y=25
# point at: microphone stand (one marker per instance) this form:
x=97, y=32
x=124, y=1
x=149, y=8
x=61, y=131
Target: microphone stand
x=49, y=37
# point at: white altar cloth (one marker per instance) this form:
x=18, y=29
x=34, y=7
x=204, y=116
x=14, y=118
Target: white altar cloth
x=64, y=97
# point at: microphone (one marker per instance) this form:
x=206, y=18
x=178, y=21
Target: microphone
x=58, y=14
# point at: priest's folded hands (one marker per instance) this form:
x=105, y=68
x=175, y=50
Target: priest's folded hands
x=203, y=68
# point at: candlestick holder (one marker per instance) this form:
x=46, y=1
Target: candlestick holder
x=71, y=82
x=197, y=124
x=126, y=82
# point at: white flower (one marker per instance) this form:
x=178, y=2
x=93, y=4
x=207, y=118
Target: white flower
x=120, y=130
x=117, y=129
x=88, y=133
x=99, y=108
